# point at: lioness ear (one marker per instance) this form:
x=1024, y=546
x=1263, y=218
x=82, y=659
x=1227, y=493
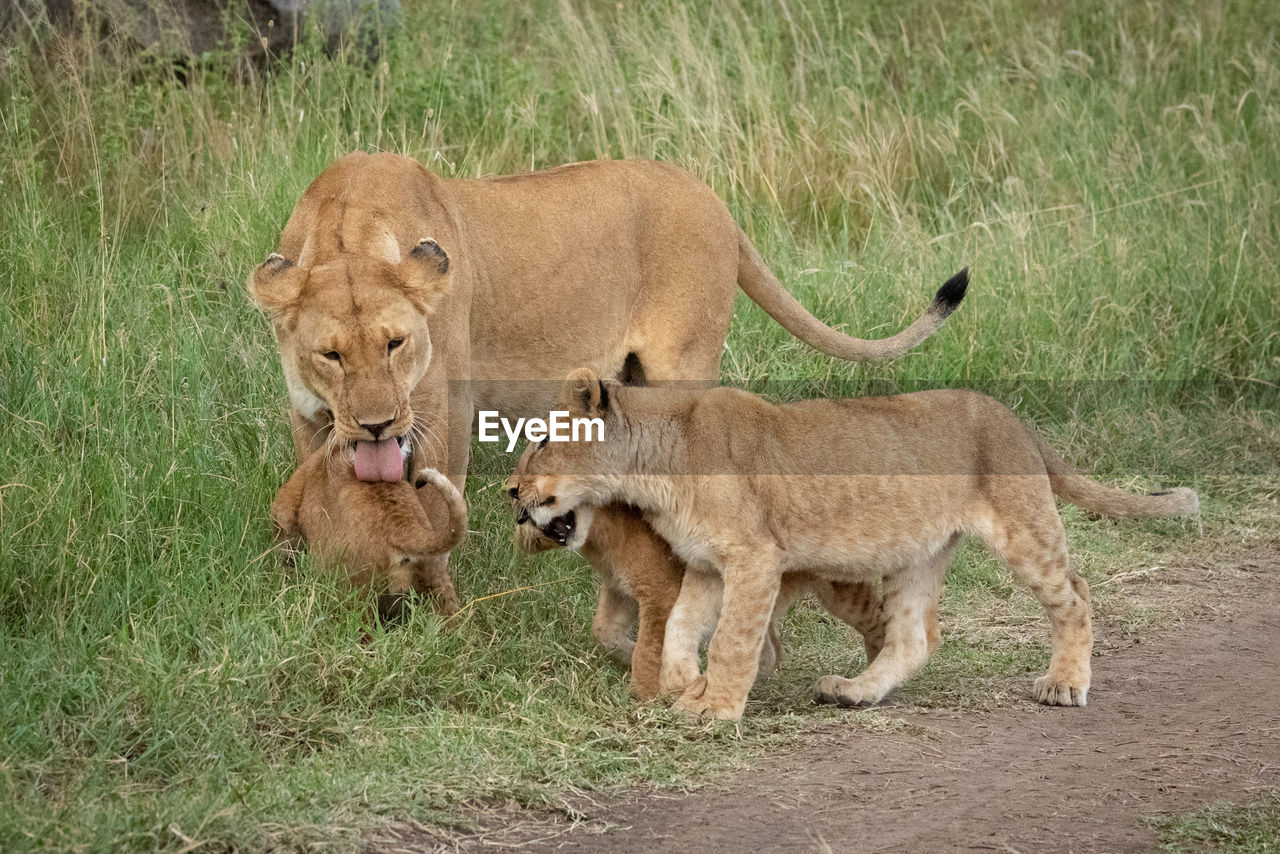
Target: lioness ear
x=585, y=393
x=423, y=274
x=428, y=251
x=276, y=284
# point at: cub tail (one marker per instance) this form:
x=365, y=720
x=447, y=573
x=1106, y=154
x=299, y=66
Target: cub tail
x=1071, y=486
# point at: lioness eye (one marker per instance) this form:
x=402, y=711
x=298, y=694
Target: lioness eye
x=333, y=356
x=394, y=343
x=547, y=502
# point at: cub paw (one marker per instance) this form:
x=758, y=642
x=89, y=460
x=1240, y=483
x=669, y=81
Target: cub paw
x=700, y=702
x=434, y=477
x=621, y=651
x=1057, y=692
x=679, y=677
x=705, y=709
x=846, y=692
x=644, y=689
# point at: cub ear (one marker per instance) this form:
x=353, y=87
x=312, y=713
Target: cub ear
x=423, y=274
x=584, y=393
x=276, y=284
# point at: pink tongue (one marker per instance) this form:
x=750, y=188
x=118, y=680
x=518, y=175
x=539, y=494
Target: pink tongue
x=379, y=460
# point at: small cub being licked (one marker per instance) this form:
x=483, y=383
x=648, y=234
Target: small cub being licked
x=849, y=490
x=378, y=532
x=641, y=579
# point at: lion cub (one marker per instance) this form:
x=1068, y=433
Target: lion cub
x=847, y=489
x=641, y=578
x=377, y=532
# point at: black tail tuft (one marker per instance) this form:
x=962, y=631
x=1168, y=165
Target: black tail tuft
x=949, y=295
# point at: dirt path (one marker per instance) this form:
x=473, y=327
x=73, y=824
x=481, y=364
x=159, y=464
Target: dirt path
x=1187, y=716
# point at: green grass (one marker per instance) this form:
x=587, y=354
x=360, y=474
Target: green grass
x=1110, y=173
x=1226, y=828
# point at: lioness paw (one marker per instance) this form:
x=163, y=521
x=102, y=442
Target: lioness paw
x=1056, y=692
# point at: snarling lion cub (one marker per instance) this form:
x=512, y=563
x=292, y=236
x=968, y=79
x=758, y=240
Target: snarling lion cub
x=403, y=301
x=846, y=489
x=640, y=578
x=379, y=534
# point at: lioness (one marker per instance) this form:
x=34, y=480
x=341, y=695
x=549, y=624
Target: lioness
x=402, y=301
x=847, y=489
x=644, y=579
x=379, y=534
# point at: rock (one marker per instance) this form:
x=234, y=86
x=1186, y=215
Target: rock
x=188, y=29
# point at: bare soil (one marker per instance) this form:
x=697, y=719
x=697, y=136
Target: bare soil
x=1184, y=716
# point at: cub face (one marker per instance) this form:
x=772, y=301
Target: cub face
x=354, y=336
x=568, y=529
x=557, y=485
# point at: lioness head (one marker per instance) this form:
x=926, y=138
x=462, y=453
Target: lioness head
x=354, y=343
x=557, y=485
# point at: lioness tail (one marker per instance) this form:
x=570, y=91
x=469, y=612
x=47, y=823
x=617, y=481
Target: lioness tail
x=757, y=282
x=1071, y=486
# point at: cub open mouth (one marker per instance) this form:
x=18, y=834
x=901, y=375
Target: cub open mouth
x=561, y=528
x=382, y=460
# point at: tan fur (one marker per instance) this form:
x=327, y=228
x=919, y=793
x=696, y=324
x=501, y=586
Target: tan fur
x=378, y=534
x=641, y=578
x=630, y=267
x=695, y=614
x=848, y=489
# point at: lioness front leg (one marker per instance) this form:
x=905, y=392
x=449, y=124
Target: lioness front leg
x=751, y=581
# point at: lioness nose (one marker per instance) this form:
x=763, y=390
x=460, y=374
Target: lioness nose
x=376, y=429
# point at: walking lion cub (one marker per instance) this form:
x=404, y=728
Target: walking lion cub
x=641, y=579
x=846, y=489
